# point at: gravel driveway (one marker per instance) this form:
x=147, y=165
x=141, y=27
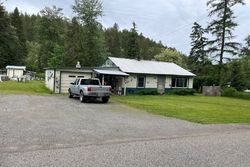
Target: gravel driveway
x=57, y=131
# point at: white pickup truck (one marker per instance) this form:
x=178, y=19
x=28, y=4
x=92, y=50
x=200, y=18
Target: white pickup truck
x=89, y=88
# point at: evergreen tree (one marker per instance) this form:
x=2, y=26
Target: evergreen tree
x=16, y=21
x=31, y=60
x=246, y=49
x=31, y=25
x=113, y=41
x=51, y=33
x=133, y=47
x=245, y=61
x=73, y=43
x=221, y=27
x=198, y=57
x=237, y=77
x=8, y=40
x=88, y=12
x=57, y=58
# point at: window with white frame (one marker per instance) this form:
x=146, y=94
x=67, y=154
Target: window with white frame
x=179, y=82
x=141, y=81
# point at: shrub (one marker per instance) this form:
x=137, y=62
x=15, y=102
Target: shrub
x=144, y=92
x=232, y=92
x=183, y=92
x=229, y=92
x=40, y=76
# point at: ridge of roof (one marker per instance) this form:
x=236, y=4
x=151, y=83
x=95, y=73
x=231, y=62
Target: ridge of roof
x=149, y=67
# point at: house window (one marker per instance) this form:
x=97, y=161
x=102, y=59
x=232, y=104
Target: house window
x=141, y=80
x=179, y=82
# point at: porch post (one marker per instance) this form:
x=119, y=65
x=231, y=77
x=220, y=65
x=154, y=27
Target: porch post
x=102, y=79
x=125, y=86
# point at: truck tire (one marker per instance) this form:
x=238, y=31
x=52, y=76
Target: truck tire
x=70, y=94
x=105, y=99
x=82, y=98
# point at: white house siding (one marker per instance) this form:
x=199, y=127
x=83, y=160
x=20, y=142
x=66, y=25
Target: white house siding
x=49, y=79
x=131, y=81
x=14, y=73
x=57, y=82
x=108, y=63
x=68, y=77
x=151, y=81
x=168, y=82
x=190, y=83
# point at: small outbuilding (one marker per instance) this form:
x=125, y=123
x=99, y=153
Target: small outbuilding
x=15, y=71
x=58, y=80
x=125, y=76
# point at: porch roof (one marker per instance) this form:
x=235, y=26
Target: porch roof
x=111, y=72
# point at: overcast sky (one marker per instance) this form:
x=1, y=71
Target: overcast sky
x=167, y=20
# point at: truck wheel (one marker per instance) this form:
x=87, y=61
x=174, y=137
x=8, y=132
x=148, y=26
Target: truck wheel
x=82, y=98
x=70, y=94
x=105, y=99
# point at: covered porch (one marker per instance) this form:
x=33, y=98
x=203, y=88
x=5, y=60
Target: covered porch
x=116, y=79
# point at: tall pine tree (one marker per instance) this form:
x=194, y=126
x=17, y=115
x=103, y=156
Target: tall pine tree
x=51, y=34
x=88, y=12
x=8, y=40
x=133, y=47
x=73, y=43
x=221, y=27
x=198, y=57
x=16, y=21
x=113, y=41
x=246, y=48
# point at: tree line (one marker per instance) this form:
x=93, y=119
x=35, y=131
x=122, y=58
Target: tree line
x=49, y=39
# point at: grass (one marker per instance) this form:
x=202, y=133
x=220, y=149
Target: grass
x=30, y=88
x=199, y=109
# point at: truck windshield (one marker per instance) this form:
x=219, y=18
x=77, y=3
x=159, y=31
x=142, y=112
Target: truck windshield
x=89, y=82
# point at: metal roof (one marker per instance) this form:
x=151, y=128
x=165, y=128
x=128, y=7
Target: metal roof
x=149, y=67
x=16, y=67
x=111, y=72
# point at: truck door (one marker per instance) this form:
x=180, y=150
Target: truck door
x=75, y=86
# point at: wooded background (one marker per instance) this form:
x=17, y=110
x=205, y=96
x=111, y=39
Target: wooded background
x=49, y=39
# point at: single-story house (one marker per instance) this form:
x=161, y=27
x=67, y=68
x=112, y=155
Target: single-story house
x=125, y=76
x=15, y=71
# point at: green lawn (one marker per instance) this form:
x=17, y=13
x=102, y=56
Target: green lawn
x=200, y=109
x=32, y=88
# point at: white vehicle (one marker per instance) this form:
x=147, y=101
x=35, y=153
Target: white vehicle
x=89, y=88
x=247, y=91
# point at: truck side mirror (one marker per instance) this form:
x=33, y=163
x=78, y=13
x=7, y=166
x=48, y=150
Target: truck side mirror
x=72, y=83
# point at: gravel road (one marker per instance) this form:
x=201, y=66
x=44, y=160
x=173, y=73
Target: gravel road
x=57, y=131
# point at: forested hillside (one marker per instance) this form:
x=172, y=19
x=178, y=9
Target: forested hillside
x=49, y=39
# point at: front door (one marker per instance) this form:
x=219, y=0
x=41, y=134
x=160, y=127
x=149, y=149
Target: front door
x=161, y=84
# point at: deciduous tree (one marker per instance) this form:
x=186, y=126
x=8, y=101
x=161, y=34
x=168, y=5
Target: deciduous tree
x=171, y=56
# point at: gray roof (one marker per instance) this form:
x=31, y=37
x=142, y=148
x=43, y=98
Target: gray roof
x=16, y=67
x=111, y=72
x=149, y=67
